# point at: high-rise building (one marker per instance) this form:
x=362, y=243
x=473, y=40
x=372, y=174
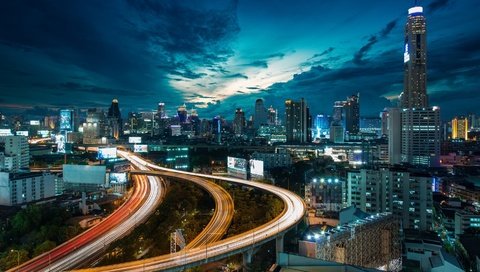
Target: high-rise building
x=239, y=122
x=16, y=153
x=351, y=107
x=406, y=194
x=338, y=115
x=419, y=130
x=421, y=136
x=182, y=114
x=415, y=61
x=94, y=127
x=394, y=127
x=460, y=128
x=161, y=111
x=260, y=117
x=297, y=121
x=114, y=120
x=322, y=126
x=272, y=116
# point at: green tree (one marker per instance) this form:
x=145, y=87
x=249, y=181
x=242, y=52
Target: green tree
x=13, y=258
x=44, y=247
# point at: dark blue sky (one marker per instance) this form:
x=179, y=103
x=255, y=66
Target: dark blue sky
x=218, y=55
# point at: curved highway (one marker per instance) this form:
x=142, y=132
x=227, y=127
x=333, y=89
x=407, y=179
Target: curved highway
x=147, y=194
x=294, y=211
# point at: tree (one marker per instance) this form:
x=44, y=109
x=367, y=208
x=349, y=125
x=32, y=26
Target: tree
x=44, y=247
x=13, y=258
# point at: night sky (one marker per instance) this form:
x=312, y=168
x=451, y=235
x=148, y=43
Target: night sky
x=219, y=55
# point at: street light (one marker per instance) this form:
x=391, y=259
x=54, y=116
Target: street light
x=18, y=256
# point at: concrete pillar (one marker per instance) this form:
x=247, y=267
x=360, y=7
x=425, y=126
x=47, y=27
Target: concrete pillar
x=279, y=244
x=247, y=258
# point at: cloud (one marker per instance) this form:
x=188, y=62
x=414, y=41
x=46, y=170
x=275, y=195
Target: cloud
x=436, y=5
x=325, y=52
x=237, y=75
x=358, y=57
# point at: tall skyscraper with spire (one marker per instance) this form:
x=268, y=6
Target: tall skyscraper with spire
x=415, y=61
x=414, y=130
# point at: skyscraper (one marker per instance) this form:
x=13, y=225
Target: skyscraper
x=297, y=121
x=272, y=116
x=239, y=122
x=114, y=120
x=419, y=128
x=352, y=114
x=182, y=113
x=161, y=110
x=415, y=61
x=460, y=128
x=260, y=117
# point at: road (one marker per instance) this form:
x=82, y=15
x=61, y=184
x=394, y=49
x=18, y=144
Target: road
x=294, y=211
x=147, y=194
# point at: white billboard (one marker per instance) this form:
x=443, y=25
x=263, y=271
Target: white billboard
x=22, y=133
x=118, y=178
x=140, y=148
x=60, y=141
x=107, y=153
x=135, y=140
x=34, y=122
x=256, y=168
x=5, y=132
x=84, y=174
x=237, y=167
x=43, y=133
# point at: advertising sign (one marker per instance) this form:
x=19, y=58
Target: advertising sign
x=106, y=153
x=66, y=120
x=22, y=133
x=135, y=140
x=60, y=141
x=237, y=167
x=256, y=168
x=140, y=148
x=118, y=178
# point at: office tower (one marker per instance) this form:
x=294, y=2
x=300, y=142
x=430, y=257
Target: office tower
x=322, y=126
x=114, y=120
x=337, y=135
x=421, y=136
x=182, y=114
x=217, y=128
x=384, y=117
x=351, y=108
x=394, y=127
x=415, y=61
x=419, y=132
x=239, y=122
x=194, y=120
x=371, y=125
x=297, y=121
x=260, y=117
x=272, y=116
x=460, y=128
x=161, y=111
x=16, y=153
x=94, y=127
x=406, y=194
x=338, y=116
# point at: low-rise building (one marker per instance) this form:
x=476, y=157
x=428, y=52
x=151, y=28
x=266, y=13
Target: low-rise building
x=23, y=188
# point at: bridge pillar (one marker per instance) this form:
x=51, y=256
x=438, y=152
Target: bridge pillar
x=247, y=258
x=279, y=244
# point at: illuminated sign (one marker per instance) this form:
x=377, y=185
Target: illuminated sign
x=22, y=133
x=66, y=120
x=107, y=153
x=43, y=133
x=237, y=167
x=34, y=122
x=60, y=141
x=415, y=10
x=135, y=140
x=406, y=55
x=118, y=178
x=140, y=148
x=5, y=132
x=256, y=168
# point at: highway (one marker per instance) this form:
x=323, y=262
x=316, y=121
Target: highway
x=294, y=211
x=148, y=193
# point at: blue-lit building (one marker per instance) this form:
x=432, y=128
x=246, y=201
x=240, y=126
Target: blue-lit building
x=321, y=127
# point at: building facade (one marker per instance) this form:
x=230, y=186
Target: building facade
x=23, y=188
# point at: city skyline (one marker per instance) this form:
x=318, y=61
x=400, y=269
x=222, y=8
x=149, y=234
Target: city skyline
x=218, y=56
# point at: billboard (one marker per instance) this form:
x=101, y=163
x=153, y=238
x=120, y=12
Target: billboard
x=256, y=168
x=84, y=174
x=60, y=141
x=140, y=148
x=106, y=153
x=118, y=178
x=43, y=133
x=135, y=140
x=237, y=167
x=34, y=122
x=5, y=132
x=22, y=133
x=66, y=120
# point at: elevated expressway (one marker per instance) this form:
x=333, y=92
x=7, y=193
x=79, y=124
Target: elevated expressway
x=148, y=193
x=294, y=211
